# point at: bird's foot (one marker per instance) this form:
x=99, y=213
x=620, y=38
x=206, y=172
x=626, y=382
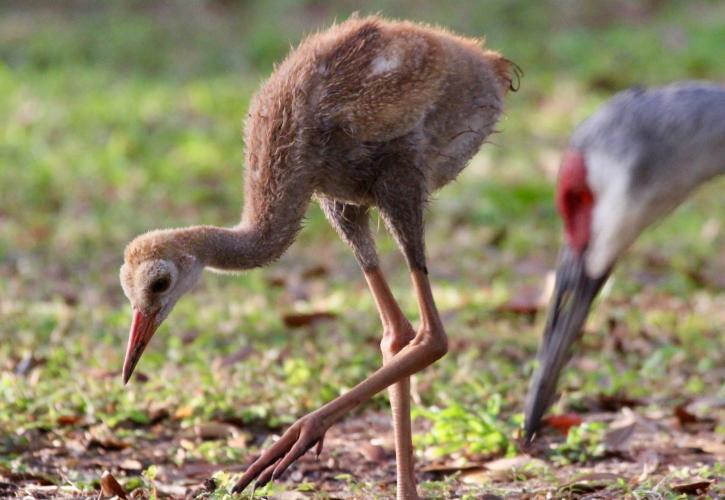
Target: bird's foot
x=300, y=437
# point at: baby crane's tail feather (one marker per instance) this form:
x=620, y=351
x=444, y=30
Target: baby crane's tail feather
x=508, y=72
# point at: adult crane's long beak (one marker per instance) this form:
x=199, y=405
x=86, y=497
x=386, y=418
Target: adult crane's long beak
x=573, y=295
x=143, y=328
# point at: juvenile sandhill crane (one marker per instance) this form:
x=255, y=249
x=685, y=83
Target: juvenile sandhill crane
x=370, y=113
x=628, y=165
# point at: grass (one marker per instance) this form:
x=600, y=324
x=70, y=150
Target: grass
x=123, y=116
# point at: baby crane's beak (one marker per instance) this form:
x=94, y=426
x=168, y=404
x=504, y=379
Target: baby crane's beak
x=142, y=329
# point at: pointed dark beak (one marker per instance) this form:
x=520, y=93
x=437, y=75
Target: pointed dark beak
x=573, y=295
x=142, y=329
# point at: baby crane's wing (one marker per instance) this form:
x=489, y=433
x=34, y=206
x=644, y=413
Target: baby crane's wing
x=378, y=80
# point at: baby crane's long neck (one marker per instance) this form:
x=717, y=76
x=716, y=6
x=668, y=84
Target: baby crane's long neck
x=266, y=231
x=237, y=248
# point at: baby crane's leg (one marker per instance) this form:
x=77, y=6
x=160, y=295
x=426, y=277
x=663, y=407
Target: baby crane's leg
x=351, y=222
x=397, y=334
x=429, y=345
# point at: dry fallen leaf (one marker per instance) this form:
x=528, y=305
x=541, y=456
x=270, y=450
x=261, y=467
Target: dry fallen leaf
x=650, y=460
x=563, y=422
x=69, y=419
x=475, y=476
x=620, y=432
x=516, y=462
x=110, y=487
x=171, y=490
x=315, y=272
x=102, y=437
x=183, y=412
x=684, y=417
x=239, y=441
x=588, y=483
x=213, y=430
x=691, y=488
x=373, y=453
x=690, y=421
x=616, y=402
x=507, y=469
x=157, y=412
x=713, y=448
x=297, y=320
x=450, y=468
x=130, y=465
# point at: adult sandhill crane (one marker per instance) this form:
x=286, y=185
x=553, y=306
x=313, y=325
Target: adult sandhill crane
x=370, y=113
x=628, y=165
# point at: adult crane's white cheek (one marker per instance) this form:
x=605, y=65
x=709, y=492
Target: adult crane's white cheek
x=615, y=225
x=597, y=263
x=605, y=238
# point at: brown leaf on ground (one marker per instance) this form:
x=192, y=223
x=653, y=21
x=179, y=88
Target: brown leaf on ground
x=315, y=272
x=213, y=430
x=684, y=417
x=513, y=468
x=563, y=422
x=101, y=373
x=714, y=448
x=140, y=377
x=616, y=402
x=171, y=490
x=476, y=476
x=451, y=468
x=101, y=436
x=689, y=420
x=189, y=336
x=373, y=453
x=691, y=488
x=588, y=483
x=650, y=460
x=277, y=281
x=157, y=412
x=110, y=487
x=297, y=320
x=183, y=412
x=239, y=441
x=621, y=431
x=130, y=464
x=517, y=462
x=69, y=419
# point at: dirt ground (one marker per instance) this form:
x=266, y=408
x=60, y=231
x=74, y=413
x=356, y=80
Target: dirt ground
x=640, y=448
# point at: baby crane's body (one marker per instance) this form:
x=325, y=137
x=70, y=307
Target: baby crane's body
x=368, y=113
x=368, y=104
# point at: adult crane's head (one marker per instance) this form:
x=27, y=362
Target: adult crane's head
x=628, y=165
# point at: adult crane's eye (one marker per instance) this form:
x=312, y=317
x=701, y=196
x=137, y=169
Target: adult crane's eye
x=160, y=285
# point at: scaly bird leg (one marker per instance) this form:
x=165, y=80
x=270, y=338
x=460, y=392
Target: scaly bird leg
x=397, y=334
x=428, y=345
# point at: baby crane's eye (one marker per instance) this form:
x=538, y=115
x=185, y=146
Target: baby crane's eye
x=160, y=285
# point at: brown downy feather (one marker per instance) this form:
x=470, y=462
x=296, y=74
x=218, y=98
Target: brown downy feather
x=368, y=113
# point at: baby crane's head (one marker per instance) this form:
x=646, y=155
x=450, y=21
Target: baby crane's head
x=155, y=274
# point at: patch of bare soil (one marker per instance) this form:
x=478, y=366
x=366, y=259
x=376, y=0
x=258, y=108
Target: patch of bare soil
x=358, y=462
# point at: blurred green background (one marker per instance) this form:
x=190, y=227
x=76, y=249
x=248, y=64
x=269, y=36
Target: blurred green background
x=123, y=116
